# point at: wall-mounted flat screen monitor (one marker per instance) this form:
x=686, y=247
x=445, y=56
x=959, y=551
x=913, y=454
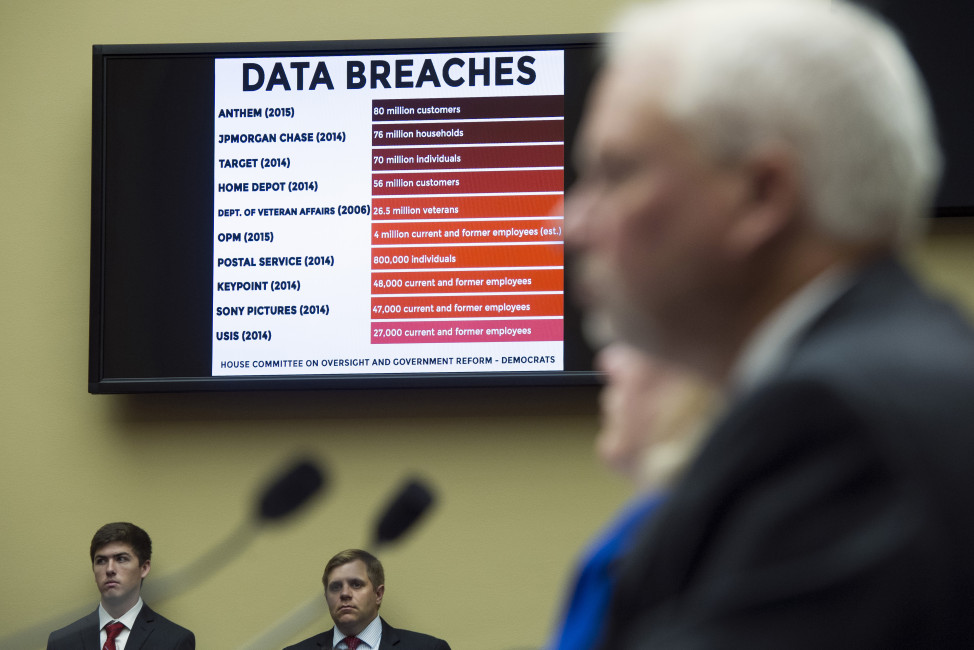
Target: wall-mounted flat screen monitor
x=366, y=213
x=334, y=214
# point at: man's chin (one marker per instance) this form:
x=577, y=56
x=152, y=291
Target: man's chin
x=603, y=326
x=116, y=597
x=597, y=328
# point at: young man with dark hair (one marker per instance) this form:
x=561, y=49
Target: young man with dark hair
x=120, y=559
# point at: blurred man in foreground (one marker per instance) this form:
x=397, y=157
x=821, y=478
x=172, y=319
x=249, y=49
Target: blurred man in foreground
x=354, y=585
x=749, y=171
x=120, y=559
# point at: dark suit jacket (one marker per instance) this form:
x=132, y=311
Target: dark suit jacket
x=832, y=506
x=392, y=638
x=150, y=632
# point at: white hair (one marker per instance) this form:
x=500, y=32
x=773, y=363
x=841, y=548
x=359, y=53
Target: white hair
x=831, y=81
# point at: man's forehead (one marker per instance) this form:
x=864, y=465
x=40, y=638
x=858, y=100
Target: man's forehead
x=113, y=549
x=353, y=569
x=621, y=109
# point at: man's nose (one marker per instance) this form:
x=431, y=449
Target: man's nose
x=110, y=567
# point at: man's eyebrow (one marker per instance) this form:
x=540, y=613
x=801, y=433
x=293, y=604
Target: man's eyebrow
x=116, y=555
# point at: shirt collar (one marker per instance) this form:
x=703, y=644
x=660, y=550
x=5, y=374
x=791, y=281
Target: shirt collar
x=768, y=348
x=127, y=619
x=370, y=636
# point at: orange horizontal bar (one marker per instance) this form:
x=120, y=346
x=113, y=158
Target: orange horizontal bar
x=466, y=232
x=394, y=282
x=459, y=257
x=479, y=306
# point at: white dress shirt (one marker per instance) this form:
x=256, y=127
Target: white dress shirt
x=127, y=619
x=768, y=348
x=370, y=636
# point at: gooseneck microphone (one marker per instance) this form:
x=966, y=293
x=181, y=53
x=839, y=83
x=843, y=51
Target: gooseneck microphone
x=280, y=497
x=283, y=495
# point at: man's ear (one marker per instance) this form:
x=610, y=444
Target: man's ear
x=770, y=200
x=379, y=591
x=145, y=568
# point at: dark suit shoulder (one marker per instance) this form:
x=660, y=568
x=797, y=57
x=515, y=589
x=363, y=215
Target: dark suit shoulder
x=153, y=631
x=70, y=636
x=315, y=642
x=394, y=638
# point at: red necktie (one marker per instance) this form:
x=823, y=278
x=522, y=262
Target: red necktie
x=113, y=629
x=352, y=642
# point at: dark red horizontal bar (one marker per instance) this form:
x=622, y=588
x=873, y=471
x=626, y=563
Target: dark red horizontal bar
x=511, y=156
x=467, y=108
x=467, y=182
x=399, y=134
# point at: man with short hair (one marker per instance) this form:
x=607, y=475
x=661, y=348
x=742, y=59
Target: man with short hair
x=354, y=584
x=120, y=559
x=749, y=174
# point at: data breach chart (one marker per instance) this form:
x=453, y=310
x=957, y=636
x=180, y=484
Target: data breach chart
x=399, y=215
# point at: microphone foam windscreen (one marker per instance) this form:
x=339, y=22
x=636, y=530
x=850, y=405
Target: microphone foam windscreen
x=408, y=506
x=290, y=490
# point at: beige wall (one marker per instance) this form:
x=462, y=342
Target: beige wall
x=519, y=489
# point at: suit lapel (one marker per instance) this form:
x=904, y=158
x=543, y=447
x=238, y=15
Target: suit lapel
x=90, y=631
x=390, y=638
x=144, y=624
